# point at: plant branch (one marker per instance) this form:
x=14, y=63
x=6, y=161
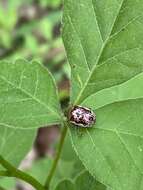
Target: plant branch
x=14, y=172
x=59, y=150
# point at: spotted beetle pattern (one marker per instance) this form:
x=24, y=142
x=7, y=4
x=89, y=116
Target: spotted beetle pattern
x=82, y=116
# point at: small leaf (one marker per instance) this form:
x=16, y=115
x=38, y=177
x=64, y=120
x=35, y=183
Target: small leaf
x=28, y=96
x=65, y=185
x=84, y=181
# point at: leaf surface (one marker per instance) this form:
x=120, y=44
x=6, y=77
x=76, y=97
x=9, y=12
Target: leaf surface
x=104, y=45
x=117, y=132
x=116, y=145
x=125, y=91
x=84, y=181
x=28, y=96
x=15, y=143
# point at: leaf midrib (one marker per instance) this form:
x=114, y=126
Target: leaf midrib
x=99, y=56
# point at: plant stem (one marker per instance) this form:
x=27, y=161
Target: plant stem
x=14, y=172
x=59, y=150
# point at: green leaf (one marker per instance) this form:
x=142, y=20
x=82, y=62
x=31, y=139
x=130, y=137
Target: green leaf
x=65, y=185
x=104, y=45
x=116, y=145
x=90, y=182
x=125, y=91
x=68, y=153
x=103, y=41
x=15, y=143
x=116, y=140
x=83, y=181
x=28, y=96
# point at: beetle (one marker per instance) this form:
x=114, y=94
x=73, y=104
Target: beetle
x=82, y=116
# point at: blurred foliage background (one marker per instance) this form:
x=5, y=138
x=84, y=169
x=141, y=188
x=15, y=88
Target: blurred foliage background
x=32, y=30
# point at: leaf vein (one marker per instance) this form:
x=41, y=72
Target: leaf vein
x=98, y=58
x=85, y=58
x=30, y=95
x=96, y=20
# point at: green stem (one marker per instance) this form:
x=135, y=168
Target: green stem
x=59, y=150
x=14, y=172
